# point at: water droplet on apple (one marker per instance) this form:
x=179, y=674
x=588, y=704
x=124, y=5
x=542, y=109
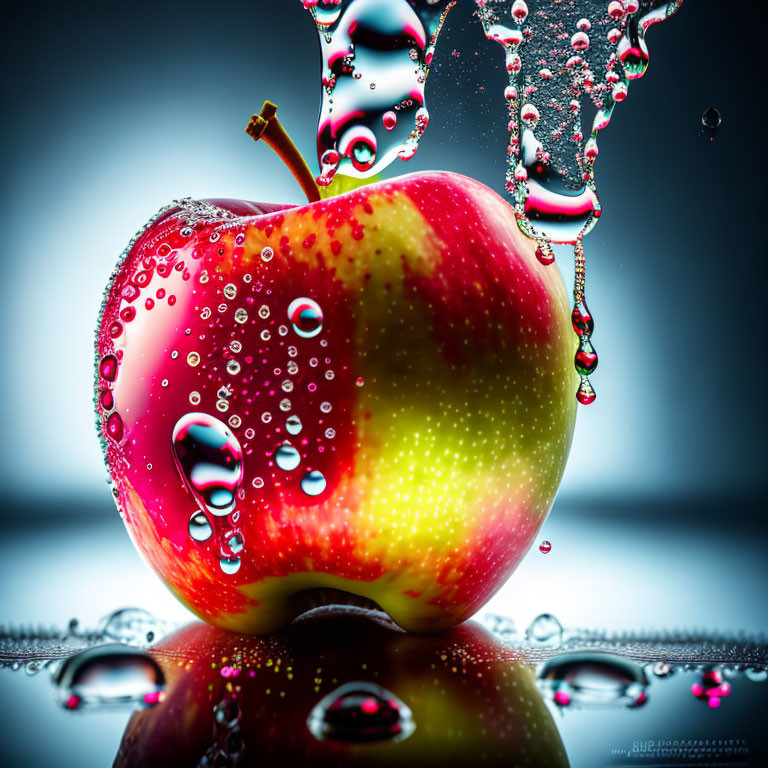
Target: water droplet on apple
x=241, y=316
x=109, y=675
x=293, y=425
x=115, y=427
x=199, y=527
x=306, y=317
x=267, y=253
x=545, y=629
x=229, y=565
x=361, y=712
x=287, y=457
x=313, y=483
x=230, y=290
x=108, y=368
x=209, y=459
x=233, y=367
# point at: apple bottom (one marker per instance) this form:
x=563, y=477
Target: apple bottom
x=419, y=592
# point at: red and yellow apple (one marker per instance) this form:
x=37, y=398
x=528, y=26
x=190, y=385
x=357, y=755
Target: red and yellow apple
x=367, y=395
x=464, y=699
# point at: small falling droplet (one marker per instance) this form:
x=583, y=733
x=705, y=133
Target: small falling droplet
x=545, y=547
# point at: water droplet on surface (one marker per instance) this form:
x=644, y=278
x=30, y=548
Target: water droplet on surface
x=287, y=457
x=313, y=483
x=545, y=629
x=593, y=679
x=241, y=316
x=109, y=675
x=115, y=427
x=199, y=527
x=293, y=425
x=209, y=459
x=361, y=712
x=108, y=368
x=130, y=625
x=267, y=253
x=229, y=565
x=306, y=317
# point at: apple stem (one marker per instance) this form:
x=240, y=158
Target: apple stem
x=266, y=126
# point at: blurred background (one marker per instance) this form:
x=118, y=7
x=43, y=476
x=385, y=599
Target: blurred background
x=113, y=111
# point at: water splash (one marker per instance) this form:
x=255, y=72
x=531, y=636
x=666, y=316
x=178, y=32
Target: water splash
x=376, y=56
x=569, y=64
x=361, y=712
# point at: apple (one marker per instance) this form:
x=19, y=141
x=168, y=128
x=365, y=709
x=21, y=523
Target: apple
x=455, y=699
x=368, y=397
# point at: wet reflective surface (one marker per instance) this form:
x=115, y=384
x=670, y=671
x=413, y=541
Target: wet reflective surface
x=595, y=660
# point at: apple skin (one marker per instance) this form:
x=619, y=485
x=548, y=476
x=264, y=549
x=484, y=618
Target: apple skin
x=444, y=368
x=474, y=703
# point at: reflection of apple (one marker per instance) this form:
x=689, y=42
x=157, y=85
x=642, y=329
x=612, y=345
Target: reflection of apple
x=472, y=702
x=371, y=394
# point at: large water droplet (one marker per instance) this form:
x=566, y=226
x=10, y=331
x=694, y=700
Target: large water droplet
x=594, y=679
x=361, y=712
x=109, y=675
x=210, y=461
